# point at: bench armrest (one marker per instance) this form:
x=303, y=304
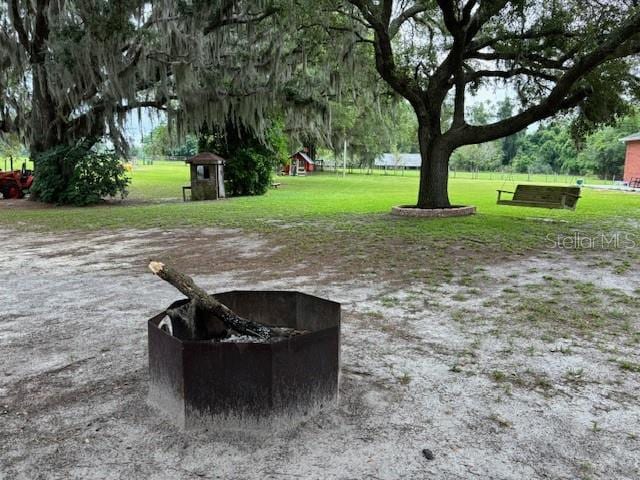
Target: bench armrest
x=505, y=191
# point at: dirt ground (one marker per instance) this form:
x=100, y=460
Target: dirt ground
x=519, y=369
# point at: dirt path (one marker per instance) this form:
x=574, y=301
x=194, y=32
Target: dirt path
x=524, y=369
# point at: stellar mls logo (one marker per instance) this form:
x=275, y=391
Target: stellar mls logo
x=602, y=241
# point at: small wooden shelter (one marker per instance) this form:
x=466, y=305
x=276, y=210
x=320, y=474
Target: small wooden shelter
x=207, y=177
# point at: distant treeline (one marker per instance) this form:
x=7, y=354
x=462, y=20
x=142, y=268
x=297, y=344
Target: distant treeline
x=551, y=148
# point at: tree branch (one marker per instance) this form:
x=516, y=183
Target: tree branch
x=474, y=75
x=239, y=19
x=406, y=15
x=624, y=41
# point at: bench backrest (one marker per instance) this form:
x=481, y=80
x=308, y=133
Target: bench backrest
x=547, y=194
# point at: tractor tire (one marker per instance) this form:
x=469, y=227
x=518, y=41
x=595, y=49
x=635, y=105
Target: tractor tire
x=11, y=190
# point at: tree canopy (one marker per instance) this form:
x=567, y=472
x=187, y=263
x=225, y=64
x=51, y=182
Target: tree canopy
x=555, y=56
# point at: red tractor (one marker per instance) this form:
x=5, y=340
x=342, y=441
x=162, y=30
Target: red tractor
x=15, y=183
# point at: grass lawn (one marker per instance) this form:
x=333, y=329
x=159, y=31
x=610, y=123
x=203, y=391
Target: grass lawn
x=357, y=203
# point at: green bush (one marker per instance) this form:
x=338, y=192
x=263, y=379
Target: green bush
x=74, y=175
x=251, y=160
x=248, y=172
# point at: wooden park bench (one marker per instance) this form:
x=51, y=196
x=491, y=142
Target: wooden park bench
x=276, y=185
x=542, y=196
x=634, y=183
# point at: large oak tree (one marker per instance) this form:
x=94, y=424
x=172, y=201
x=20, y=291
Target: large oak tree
x=72, y=70
x=553, y=55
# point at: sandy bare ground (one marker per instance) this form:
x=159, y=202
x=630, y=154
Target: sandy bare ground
x=522, y=369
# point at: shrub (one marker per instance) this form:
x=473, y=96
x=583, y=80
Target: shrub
x=248, y=172
x=250, y=159
x=75, y=175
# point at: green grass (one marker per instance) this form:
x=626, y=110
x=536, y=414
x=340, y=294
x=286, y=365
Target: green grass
x=357, y=204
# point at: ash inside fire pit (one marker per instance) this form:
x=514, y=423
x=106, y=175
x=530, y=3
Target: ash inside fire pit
x=240, y=381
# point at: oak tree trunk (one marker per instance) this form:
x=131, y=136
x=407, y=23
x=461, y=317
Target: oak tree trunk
x=434, y=173
x=43, y=114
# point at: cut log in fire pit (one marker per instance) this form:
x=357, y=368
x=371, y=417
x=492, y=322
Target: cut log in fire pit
x=284, y=367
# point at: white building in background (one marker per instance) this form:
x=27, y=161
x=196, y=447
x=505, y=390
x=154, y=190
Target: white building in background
x=399, y=160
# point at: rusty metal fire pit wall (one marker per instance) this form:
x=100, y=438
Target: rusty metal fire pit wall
x=249, y=385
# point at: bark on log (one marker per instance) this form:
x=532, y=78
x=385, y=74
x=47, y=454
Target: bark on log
x=203, y=300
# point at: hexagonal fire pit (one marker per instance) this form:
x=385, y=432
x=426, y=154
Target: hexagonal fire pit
x=249, y=385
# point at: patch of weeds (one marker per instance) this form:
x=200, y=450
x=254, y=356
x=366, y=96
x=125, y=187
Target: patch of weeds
x=469, y=352
x=476, y=344
x=428, y=303
x=509, y=290
x=585, y=469
x=405, y=379
x=412, y=297
x=542, y=382
x=508, y=350
x=622, y=267
x=574, y=376
x=557, y=293
x=497, y=419
x=585, y=288
x=389, y=302
x=628, y=366
x=466, y=281
x=456, y=368
x=498, y=376
x=622, y=316
x=528, y=379
x=490, y=303
x=506, y=387
x=459, y=297
x=461, y=315
x=563, y=349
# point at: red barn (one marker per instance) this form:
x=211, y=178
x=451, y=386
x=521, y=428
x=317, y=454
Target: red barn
x=632, y=160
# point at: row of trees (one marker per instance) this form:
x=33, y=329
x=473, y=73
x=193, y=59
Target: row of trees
x=552, y=148
x=72, y=71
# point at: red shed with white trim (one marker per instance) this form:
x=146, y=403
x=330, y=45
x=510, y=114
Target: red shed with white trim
x=632, y=159
x=301, y=163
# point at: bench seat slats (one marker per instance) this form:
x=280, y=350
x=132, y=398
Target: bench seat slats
x=542, y=196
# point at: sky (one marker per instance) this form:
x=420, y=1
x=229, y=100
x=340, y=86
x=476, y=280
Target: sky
x=136, y=128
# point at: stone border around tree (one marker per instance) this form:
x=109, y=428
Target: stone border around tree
x=413, y=211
